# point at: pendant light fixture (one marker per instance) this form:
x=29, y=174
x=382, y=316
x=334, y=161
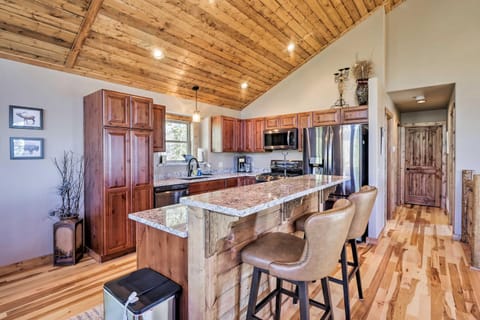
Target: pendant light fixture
x=196, y=113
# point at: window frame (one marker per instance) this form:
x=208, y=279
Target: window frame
x=188, y=141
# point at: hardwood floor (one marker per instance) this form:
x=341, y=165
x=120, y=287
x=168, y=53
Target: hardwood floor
x=416, y=271
x=52, y=293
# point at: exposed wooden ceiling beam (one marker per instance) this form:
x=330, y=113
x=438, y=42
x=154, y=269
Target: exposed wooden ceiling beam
x=87, y=23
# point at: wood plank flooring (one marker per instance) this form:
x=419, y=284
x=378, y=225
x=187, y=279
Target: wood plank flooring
x=416, y=271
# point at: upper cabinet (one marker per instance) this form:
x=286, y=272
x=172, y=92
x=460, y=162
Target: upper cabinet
x=283, y=121
x=340, y=116
x=355, y=115
x=253, y=135
x=326, y=117
x=141, y=113
x=226, y=132
x=116, y=109
x=158, y=128
x=258, y=127
x=127, y=111
x=235, y=135
x=304, y=121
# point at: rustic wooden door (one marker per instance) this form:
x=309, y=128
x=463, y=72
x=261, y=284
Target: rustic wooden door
x=423, y=165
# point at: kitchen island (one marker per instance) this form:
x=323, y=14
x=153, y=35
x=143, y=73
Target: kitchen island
x=219, y=224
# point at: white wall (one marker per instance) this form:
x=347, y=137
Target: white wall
x=423, y=116
x=312, y=86
x=432, y=42
x=27, y=187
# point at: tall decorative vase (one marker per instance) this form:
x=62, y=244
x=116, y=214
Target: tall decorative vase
x=362, y=91
x=67, y=241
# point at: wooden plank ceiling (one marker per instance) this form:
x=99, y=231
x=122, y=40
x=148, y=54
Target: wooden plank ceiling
x=216, y=44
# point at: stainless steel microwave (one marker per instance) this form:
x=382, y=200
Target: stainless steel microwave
x=280, y=139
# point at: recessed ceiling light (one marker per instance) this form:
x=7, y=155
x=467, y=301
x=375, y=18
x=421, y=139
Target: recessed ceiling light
x=420, y=99
x=158, y=54
x=291, y=47
x=244, y=85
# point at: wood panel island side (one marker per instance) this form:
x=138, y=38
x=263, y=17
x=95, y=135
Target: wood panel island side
x=197, y=244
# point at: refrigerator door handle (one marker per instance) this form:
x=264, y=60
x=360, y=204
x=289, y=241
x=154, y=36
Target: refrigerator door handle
x=288, y=137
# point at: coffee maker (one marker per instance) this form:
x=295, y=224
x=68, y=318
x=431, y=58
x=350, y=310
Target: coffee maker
x=242, y=163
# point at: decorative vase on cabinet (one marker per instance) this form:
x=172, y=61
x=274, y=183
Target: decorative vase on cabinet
x=362, y=91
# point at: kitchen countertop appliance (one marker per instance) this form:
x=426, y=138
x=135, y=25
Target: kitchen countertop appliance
x=242, y=164
x=281, y=169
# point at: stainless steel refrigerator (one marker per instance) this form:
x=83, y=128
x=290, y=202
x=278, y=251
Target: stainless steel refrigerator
x=338, y=150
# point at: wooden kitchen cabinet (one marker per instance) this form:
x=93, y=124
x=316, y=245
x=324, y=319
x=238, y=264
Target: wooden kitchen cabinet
x=246, y=180
x=326, y=117
x=259, y=127
x=231, y=182
x=116, y=109
x=355, y=115
x=158, y=112
x=226, y=134
x=283, y=121
x=304, y=121
x=118, y=171
x=248, y=135
x=141, y=113
x=205, y=186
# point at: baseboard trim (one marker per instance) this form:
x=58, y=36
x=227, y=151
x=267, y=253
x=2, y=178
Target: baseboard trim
x=26, y=265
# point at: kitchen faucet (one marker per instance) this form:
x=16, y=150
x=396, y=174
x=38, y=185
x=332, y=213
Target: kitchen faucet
x=189, y=166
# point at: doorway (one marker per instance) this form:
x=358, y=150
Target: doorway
x=423, y=165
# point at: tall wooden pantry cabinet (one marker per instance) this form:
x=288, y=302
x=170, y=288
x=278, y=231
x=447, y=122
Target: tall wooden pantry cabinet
x=118, y=141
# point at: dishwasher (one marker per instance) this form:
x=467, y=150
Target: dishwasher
x=167, y=195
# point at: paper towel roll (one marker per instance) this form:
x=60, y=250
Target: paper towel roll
x=201, y=155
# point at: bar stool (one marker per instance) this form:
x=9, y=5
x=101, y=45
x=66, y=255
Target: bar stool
x=363, y=200
x=299, y=261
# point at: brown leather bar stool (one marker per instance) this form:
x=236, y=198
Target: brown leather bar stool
x=299, y=261
x=364, y=200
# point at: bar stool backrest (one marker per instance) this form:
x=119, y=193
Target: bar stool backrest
x=364, y=201
x=325, y=234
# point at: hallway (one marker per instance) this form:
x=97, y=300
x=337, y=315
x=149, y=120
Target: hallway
x=417, y=271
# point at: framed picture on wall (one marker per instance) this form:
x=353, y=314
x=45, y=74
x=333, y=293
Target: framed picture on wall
x=26, y=148
x=25, y=118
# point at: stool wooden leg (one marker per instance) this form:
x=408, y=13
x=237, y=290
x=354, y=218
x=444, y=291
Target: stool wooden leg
x=304, y=300
x=278, y=300
x=327, y=299
x=346, y=294
x=252, y=300
x=356, y=264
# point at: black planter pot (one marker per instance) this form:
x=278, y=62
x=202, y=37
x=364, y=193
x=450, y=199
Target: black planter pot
x=362, y=91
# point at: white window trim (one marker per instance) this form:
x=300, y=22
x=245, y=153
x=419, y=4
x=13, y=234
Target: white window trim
x=189, y=140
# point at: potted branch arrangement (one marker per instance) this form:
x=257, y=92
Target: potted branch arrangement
x=68, y=232
x=362, y=70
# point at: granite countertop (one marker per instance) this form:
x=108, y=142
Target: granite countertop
x=246, y=200
x=171, y=219
x=172, y=181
